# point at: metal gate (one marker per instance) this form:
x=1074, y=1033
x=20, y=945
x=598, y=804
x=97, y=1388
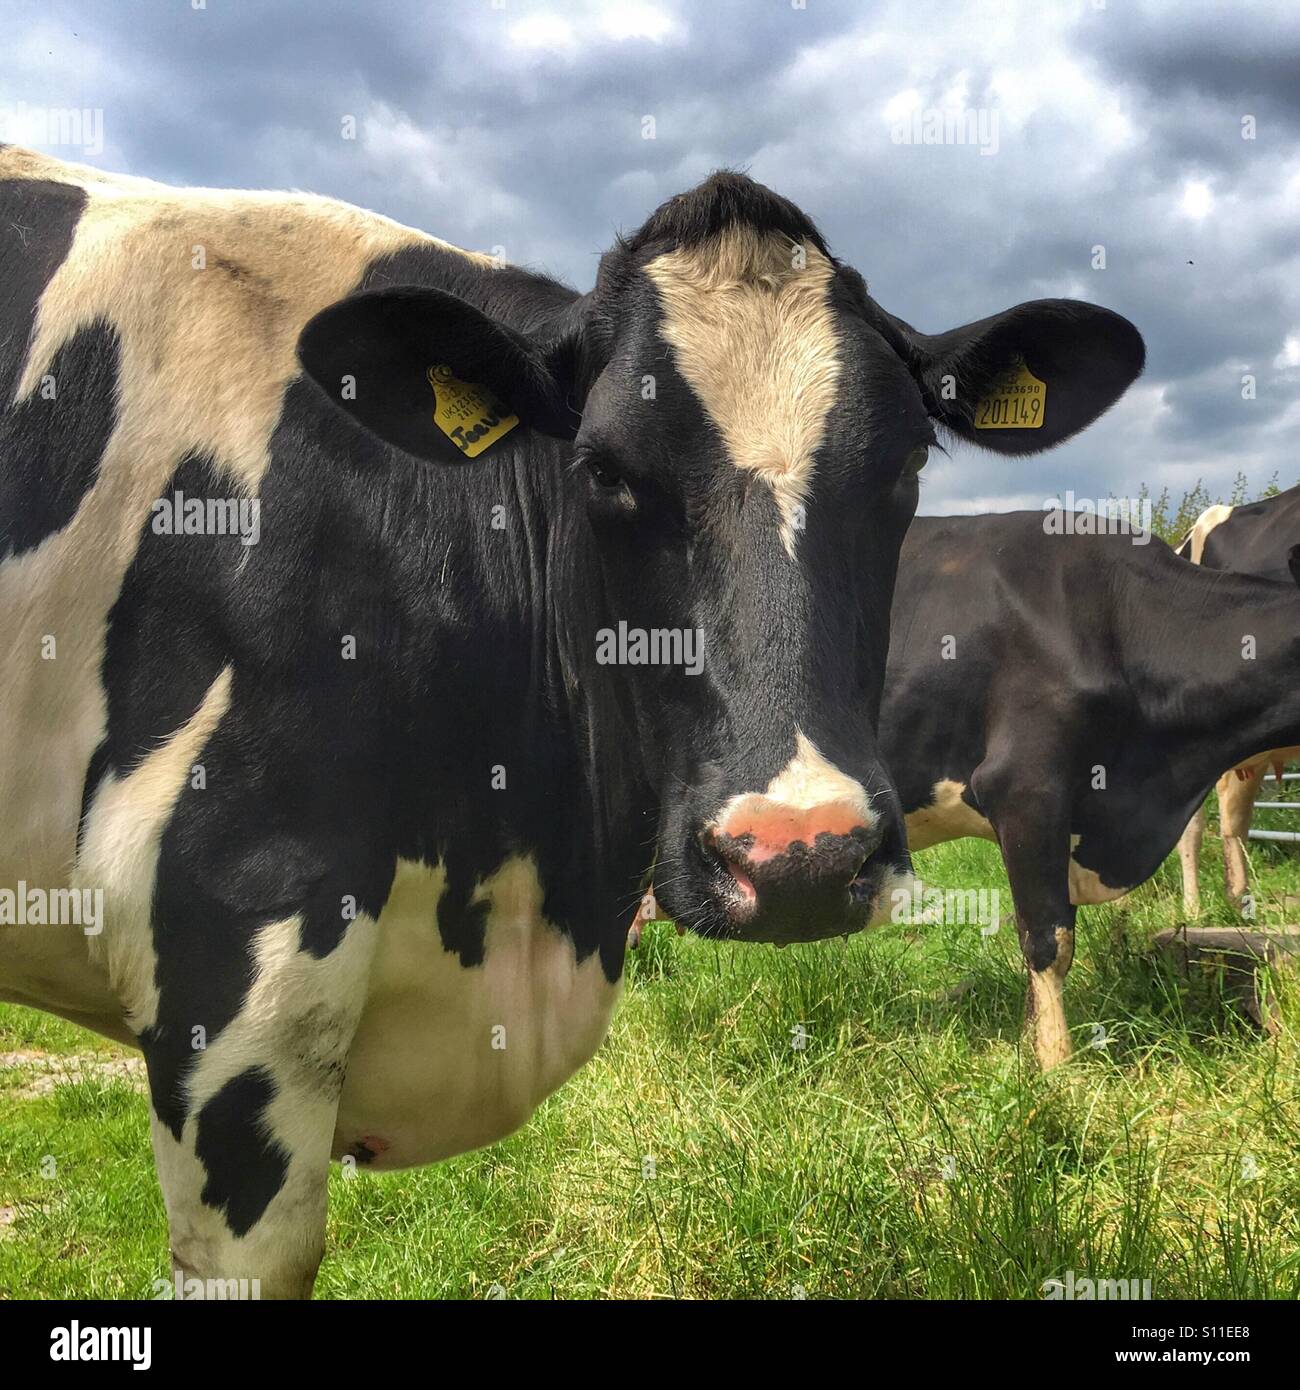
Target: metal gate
x=1283, y=836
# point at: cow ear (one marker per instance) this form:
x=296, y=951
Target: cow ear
x=1293, y=562
x=435, y=376
x=1026, y=379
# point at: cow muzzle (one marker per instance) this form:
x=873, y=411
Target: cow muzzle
x=781, y=873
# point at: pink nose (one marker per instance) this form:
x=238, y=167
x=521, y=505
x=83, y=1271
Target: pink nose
x=767, y=828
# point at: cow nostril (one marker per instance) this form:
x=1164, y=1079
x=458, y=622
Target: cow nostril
x=728, y=848
x=744, y=884
x=727, y=857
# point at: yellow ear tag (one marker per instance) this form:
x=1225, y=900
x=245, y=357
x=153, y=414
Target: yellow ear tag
x=470, y=416
x=1016, y=401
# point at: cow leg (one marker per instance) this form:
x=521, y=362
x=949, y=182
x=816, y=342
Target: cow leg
x=1035, y=846
x=243, y=1127
x=1237, y=797
x=1189, y=856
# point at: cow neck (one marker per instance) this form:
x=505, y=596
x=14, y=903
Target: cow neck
x=527, y=696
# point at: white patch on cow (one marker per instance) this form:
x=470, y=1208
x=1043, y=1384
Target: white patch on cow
x=1086, y=887
x=1049, y=1030
x=448, y=1058
x=755, y=339
x=1192, y=546
x=119, y=853
x=105, y=981
x=947, y=817
x=897, y=885
x=809, y=780
x=205, y=358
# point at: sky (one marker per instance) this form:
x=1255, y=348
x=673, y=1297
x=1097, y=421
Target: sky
x=1140, y=154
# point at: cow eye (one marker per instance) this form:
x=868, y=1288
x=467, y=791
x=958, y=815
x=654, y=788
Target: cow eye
x=602, y=472
x=916, y=459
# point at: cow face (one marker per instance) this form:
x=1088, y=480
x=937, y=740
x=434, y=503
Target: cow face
x=748, y=427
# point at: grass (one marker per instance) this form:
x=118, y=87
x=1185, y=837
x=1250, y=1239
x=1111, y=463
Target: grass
x=907, y=1150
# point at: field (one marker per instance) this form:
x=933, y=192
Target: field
x=906, y=1149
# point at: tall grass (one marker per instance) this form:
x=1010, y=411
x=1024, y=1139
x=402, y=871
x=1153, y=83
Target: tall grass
x=907, y=1149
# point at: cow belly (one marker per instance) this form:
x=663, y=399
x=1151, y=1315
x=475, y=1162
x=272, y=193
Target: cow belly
x=447, y=1057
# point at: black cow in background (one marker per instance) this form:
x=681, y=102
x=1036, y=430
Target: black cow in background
x=1073, y=697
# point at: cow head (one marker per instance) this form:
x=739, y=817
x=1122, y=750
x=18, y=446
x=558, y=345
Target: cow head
x=747, y=431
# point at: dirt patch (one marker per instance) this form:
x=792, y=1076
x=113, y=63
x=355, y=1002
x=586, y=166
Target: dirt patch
x=48, y=1070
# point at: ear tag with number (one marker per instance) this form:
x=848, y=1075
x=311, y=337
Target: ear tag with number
x=470, y=416
x=1017, y=400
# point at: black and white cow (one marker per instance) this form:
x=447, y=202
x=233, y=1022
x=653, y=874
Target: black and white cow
x=375, y=616
x=1073, y=697
x=1256, y=538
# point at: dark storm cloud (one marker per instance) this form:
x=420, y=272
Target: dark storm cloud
x=522, y=127
x=1243, y=57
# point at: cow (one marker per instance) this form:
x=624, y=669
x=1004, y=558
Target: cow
x=377, y=615
x=1252, y=539
x=1073, y=697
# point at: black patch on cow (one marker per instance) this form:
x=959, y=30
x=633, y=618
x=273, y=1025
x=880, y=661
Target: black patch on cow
x=532, y=304
x=95, y=770
x=245, y=1165
x=288, y=819
x=52, y=447
x=165, y=643
x=462, y=924
x=38, y=221
x=725, y=199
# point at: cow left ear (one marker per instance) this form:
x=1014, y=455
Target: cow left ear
x=435, y=376
x=1028, y=378
x=1293, y=562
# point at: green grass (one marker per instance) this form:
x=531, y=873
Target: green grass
x=909, y=1150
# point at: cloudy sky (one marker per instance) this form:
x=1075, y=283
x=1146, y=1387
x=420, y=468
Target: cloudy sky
x=523, y=125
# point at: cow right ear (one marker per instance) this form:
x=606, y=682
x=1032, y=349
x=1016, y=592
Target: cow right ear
x=1026, y=379
x=433, y=375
